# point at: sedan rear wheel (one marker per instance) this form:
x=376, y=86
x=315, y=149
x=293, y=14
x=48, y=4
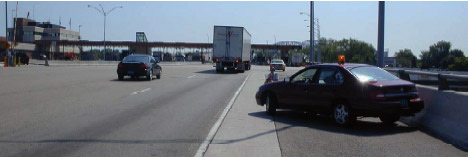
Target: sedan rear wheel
x=158, y=76
x=149, y=76
x=342, y=115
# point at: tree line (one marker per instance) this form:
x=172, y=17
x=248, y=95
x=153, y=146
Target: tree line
x=440, y=55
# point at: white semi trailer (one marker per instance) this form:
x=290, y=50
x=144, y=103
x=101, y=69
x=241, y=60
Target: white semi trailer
x=231, y=48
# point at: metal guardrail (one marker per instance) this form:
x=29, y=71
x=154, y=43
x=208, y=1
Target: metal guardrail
x=442, y=78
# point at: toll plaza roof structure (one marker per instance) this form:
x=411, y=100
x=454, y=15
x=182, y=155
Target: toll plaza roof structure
x=156, y=44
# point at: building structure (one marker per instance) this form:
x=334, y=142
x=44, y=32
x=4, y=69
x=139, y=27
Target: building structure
x=26, y=32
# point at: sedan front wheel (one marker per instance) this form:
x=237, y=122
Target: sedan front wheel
x=270, y=104
x=342, y=115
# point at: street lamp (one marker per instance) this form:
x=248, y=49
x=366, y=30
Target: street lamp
x=303, y=13
x=311, y=16
x=105, y=13
x=79, y=31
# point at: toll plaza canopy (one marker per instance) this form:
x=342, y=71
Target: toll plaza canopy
x=283, y=48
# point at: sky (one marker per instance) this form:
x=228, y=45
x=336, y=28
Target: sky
x=412, y=25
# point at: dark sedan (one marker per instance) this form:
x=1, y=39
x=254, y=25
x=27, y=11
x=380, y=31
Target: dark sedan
x=345, y=91
x=139, y=65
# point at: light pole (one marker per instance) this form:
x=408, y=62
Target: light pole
x=105, y=13
x=12, y=17
x=6, y=29
x=380, y=34
x=311, y=16
x=79, y=31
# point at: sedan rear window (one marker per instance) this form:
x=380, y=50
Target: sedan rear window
x=138, y=59
x=369, y=73
x=277, y=62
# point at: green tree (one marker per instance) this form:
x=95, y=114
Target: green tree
x=414, y=62
x=440, y=55
x=404, y=57
x=355, y=51
x=460, y=64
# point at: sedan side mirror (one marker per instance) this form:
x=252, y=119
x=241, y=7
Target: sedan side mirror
x=287, y=79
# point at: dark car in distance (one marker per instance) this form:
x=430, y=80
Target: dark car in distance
x=137, y=65
x=344, y=91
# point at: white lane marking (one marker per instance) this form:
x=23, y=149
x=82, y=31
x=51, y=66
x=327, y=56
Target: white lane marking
x=204, y=146
x=144, y=90
x=191, y=76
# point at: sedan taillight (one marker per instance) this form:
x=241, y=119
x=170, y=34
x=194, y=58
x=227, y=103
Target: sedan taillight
x=120, y=65
x=144, y=66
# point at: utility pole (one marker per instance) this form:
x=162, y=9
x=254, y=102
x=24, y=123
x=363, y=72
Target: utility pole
x=6, y=26
x=312, y=48
x=319, y=55
x=13, y=53
x=380, y=36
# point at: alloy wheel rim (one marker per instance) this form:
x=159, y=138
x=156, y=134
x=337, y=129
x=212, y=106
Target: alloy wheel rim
x=341, y=114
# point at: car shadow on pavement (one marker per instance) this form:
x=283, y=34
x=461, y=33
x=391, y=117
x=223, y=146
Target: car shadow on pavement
x=132, y=80
x=326, y=123
x=213, y=71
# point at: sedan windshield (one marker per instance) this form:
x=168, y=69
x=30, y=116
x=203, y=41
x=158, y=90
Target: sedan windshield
x=143, y=59
x=368, y=73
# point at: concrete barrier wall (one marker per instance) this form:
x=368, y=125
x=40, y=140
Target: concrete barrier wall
x=445, y=114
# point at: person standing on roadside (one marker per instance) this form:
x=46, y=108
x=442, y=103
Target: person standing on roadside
x=272, y=76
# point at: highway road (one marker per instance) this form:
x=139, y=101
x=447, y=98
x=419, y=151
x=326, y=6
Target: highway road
x=85, y=111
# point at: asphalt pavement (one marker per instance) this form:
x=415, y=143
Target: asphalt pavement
x=86, y=111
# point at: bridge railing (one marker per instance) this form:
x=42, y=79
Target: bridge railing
x=444, y=80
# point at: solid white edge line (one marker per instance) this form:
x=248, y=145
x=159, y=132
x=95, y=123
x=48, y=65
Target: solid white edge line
x=191, y=76
x=204, y=146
